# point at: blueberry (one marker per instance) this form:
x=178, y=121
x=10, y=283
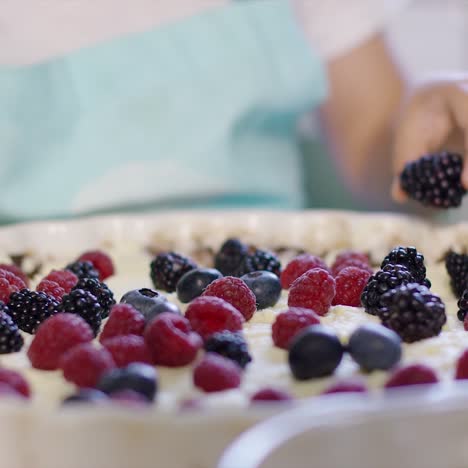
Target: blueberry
x=149, y=302
x=266, y=286
x=140, y=378
x=375, y=347
x=314, y=352
x=194, y=282
x=86, y=395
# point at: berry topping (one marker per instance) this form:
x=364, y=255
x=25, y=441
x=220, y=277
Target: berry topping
x=123, y=320
x=9, y=392
x=271, y=394
x=140, y=378
x=84, y=364
x=289, y=323
x=126, y=349
x=435, y=180
x=84, y=304
x=11, y=340
x=171, y=341
x=350, y=283
x=266, y=287
x=413, y=312
x=15, y=380
x=374, y=347
x=167, y=269
x=100, y=291
x=410, y=258
x=390, y=277
x=461, y=372
x=86, y=395
x=129, y=398
x=462, y=306
x=346, y=386
x=414, y=374
x=230, y=256
x=29, y=309
x=9, y=283
x=56, y=336
x=52, y=289
x=260, y=260
x=234, y=291
x=315, y=352
x=350, y=258
x=100, y=261
x=298, y=266
x=16, y=271
x=457, y=269
x=216, y=373
x=194, y=282
x=64, y=278
x=315, y=290
x=83, y=269
x=209, y=314
x=230, y=345
x=149, y=302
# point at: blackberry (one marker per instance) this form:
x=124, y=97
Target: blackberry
x=462, y=306
x=413, y=312
x=230, y=256
x=435, y=180
x=84, y=304
x=11, y=340
x=260, y=260
x=390, y=277
x=167, y=269
x=29, y=309
x=457, y=269
x=83, y=269
x=100, y=291
x=410, y=258
x=230, y=345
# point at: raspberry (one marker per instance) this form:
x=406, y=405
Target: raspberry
x=230, y=256
x=289, y=323
x=100, y=291
x=52, y=289
x=346, y=386
x=100, y=261
x=84, y=304
x=16, y=271
x=64, y=278
x=54, y=337
x=350, y=282
x=260, y=260
x=208, y=315
x=84, y=364
x=354, y=263
x=171, y=341
x=216, y=373
x=15, y=380
x=462, y=366
x=29, y=309
x=11, y=340
x=230, y=345
x=234, y=291
x=9, y=283
x=9, y=391
x=123, y=320
x=315, y=290
x=348, y=258
x=271, y=394
x=435, y=180
x=127, y=349
x=167, y=269
x=83, y=269
x=414, y=374
x=298, y=266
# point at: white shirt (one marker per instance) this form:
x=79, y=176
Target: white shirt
x=37, y=30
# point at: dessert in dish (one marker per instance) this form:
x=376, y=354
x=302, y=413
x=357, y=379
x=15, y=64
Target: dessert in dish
x=283, y=324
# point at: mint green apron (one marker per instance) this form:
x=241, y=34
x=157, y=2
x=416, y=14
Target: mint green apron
x=201, y=113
